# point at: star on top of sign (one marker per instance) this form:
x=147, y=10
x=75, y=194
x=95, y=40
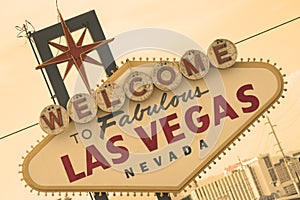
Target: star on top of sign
x=74, y=53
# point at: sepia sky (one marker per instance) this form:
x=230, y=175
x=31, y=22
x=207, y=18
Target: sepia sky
x=24, y=93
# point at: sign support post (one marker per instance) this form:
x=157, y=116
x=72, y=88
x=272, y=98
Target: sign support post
x=102, y=197
x=164, y=196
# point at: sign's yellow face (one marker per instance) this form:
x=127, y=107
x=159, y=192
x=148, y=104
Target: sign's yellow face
x=156, y=132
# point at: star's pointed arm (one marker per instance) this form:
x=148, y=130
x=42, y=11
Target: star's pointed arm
x=56, y=60
x=80, y=41
x=67, y=33
x=90, y=47
x=69, y=66
x=91, y=60
x=59, y=46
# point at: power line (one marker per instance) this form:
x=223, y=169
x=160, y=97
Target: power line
x=18, y=131
x=274, y=27
x=250, y=37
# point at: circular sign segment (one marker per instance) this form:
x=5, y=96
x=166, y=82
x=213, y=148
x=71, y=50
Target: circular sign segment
x=138, y=86
x=194, y=64
x=82, y=108
x=166, y=76
x=54, y=119
x=110, y=97
x=222, y=53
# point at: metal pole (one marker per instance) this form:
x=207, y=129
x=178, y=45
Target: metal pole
x=283, y=155
x=102, y=197
x=91, y=196
x=28, y=36
x=163, y=196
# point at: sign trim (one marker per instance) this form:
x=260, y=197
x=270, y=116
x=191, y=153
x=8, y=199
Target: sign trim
x=188, y=179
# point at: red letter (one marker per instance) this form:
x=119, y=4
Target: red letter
x=190, y=67
x=131, y=87
x=53, y=118
x=117, y=149
x=228, y=110
x=189, y=120
x=242, y=97
x=151, y=144
x=90, y=165
x=219, y=54
x=168, y=130
x=70, y=170
x=79, y=109
x=108, y=103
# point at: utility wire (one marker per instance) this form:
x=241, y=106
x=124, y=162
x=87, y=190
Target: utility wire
x=243, y=40
x=274, y=27
x=18, y=131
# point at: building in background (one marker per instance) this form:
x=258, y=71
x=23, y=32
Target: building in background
x=231, y=186
x=256, y=178
x=283, y=175
x=246, y=180
x=263, y=172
